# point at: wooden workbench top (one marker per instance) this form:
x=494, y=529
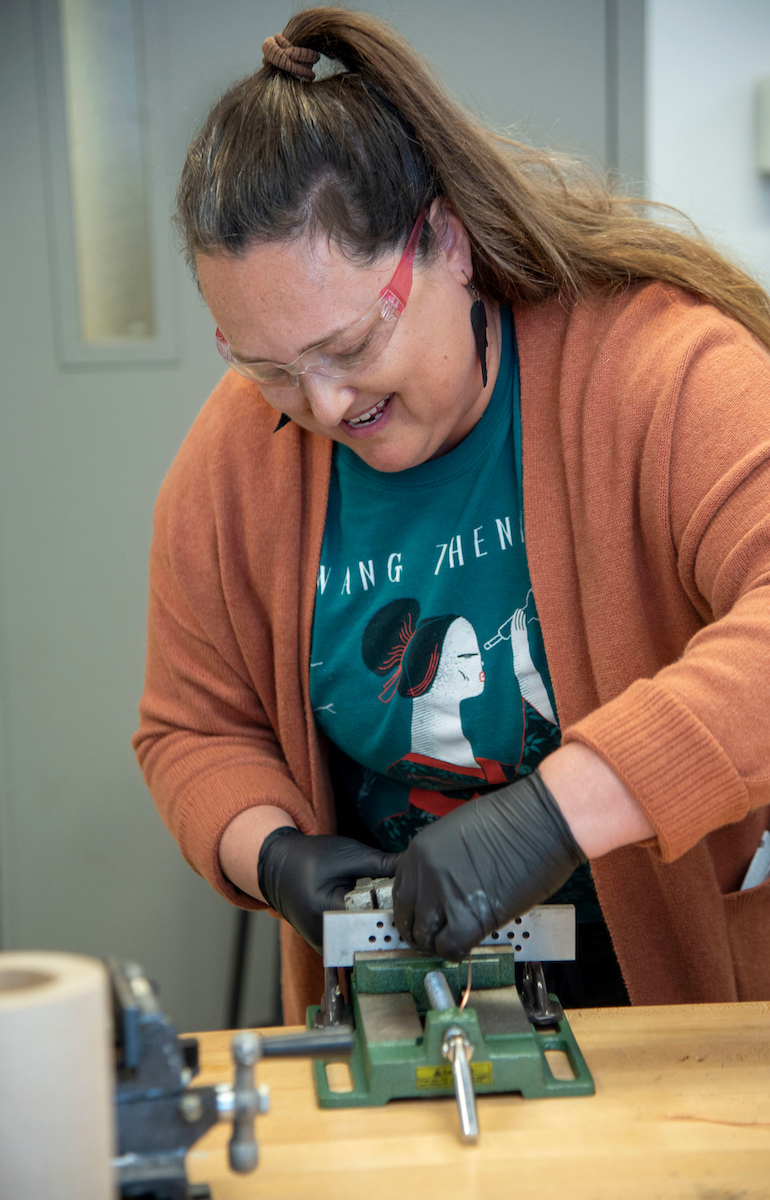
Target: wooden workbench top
x=682, y=1110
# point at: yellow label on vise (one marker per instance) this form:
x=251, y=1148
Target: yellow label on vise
x=441, y=1077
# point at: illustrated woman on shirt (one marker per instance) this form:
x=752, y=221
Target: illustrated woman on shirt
x=436, y=663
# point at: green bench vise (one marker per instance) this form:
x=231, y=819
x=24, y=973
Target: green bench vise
x=413, y=1038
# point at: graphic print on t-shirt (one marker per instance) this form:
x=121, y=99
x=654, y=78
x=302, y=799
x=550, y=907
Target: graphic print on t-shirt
x=428, y=669
x=436, y=663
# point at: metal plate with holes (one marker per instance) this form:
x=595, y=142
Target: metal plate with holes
x=544, y=934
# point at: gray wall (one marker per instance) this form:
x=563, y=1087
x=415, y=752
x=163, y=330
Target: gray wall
x=701, y=120
x=85, y=864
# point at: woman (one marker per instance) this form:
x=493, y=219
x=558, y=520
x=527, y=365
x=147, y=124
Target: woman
x=485, y=378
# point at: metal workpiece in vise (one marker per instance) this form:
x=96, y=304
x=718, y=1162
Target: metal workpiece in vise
x=423, y=1026
x=159, y=1116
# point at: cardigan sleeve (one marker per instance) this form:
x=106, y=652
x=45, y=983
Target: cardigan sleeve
x=692, y=743
x=206, y=743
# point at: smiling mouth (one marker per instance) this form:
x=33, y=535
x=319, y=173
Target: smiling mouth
x=369, y=418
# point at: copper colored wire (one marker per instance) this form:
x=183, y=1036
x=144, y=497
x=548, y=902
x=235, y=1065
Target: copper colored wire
x=467, y=991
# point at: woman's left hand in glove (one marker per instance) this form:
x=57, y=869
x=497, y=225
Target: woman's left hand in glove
x=481, y=865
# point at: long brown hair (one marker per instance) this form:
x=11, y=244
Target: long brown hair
x=358, y=154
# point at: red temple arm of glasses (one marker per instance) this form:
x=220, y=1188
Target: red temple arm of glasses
x=397, y=291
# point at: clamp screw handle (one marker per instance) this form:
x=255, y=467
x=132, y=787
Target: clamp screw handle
x=248, y=1101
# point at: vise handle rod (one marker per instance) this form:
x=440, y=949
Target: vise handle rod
x=334, y=1042
x=244, y=1101
x=457, y=1048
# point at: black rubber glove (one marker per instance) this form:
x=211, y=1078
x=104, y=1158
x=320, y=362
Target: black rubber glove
x=301, y=875
x=481, y=865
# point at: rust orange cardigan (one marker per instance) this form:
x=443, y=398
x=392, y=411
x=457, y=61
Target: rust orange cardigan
x=646, y=454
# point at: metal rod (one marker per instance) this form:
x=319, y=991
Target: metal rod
x=458, y=1050
x=316, y=1043
x=438, y=991
x=466, y=1098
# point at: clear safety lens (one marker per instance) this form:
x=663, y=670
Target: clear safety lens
x=351, y=350
x=356, y=347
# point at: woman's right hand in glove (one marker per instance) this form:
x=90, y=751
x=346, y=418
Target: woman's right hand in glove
x=301, y=875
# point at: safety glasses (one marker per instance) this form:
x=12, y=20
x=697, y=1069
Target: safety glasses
x=355, y=347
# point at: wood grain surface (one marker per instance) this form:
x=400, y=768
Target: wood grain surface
x=681, y=1112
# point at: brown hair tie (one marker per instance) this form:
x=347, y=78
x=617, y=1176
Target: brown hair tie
x=294, y=60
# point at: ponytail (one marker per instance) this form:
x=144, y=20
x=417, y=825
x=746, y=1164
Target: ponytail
x=358, y=154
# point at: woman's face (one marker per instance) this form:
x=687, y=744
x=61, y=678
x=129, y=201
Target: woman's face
x=279, y=299
x=460, y=673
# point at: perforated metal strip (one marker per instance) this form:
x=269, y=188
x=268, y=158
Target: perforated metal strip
x=544, y=934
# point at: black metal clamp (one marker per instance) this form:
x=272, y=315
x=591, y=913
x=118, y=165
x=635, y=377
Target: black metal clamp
x=159, y=1116
x=541, y=1008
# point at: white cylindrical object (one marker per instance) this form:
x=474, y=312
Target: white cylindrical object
x=56, y=1078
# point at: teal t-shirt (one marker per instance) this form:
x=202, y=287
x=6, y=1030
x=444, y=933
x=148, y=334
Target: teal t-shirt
x=428, y=669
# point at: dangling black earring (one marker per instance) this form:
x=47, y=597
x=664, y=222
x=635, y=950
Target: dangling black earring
x=479, y=327
x=284, y=420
